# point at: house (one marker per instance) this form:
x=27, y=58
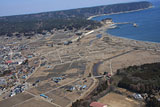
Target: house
x=78, y=87
x=67, y=42
x=70, y=88
x=12, y=94
x=20, y=62
x=3, y=66
x=137, y=96
x=57, y=79
x=8, y=62
x=3, y=81
x=107, y=20
x=99, y=36
x=36, y=82
x=97, y=104
x=24, y=77
x=29, y=56
x=84, y=86
x=44, y=96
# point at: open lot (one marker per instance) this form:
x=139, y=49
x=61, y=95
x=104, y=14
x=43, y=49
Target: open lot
x=15, y=100
x=36, y=102
x=137, y=57
x=117, y=100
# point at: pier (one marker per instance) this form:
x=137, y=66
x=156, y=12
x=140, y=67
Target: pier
x=125, y=23
x=134, y=24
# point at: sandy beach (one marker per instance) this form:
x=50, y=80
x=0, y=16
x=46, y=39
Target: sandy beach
x=89, y=18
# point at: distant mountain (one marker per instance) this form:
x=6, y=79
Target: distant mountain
x=49, y=20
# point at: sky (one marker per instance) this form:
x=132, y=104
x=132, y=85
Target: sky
x=17, y=7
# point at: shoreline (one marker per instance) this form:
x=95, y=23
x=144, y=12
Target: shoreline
x=144, y=41
x=131, y=38
x=132, y=42
x=89, y=18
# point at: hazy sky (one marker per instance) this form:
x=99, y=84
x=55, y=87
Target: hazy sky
x=15, y=7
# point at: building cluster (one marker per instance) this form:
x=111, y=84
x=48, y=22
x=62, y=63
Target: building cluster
x=14, y=68
x=18, y=89
x=71, y=88
x=57, y=79
x=77, y=87
x=11, y=56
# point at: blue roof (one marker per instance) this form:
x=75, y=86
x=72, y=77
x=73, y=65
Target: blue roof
x=99, y=36
x=84, y=86
x=42, y=95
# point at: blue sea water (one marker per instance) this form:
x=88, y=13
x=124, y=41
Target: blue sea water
x=148, y=22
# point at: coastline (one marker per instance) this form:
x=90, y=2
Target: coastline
x=130, y=38
x=146, y=45
x=89, y=18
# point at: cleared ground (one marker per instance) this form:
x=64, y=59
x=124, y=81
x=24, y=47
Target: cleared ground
x=15, y=100
x=117, y=100
x=36, y=102
x=137, y=57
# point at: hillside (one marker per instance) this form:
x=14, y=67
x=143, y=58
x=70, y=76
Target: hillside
x=144, y=79
x=63, y=19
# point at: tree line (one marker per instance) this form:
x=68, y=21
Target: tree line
x=65, y=19
x=142, y=79
x=50, y=24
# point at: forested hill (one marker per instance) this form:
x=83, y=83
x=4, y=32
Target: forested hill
x=82, y=12
x=50, y=20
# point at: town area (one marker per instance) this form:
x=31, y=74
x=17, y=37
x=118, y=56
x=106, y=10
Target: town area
x=56, y=68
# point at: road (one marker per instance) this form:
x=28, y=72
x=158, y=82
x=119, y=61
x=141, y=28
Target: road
x=46, y=93
x=96, y=65
x=35, y=70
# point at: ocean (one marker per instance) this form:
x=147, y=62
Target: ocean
x=148, y=22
